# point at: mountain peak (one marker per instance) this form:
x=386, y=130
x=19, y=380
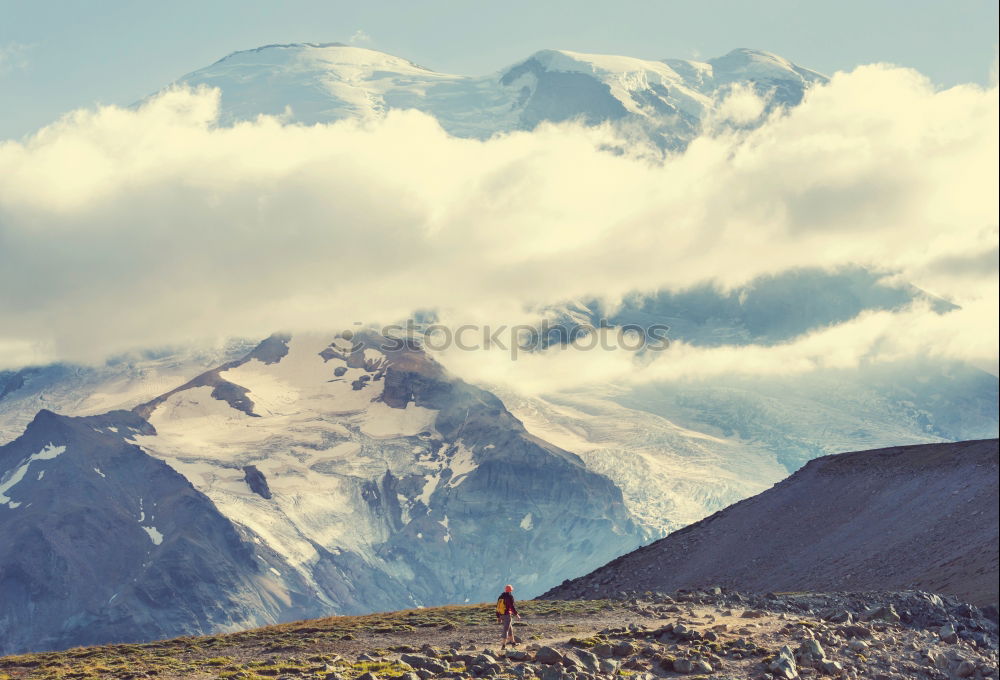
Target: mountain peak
x=328, y=54
x=745, y=62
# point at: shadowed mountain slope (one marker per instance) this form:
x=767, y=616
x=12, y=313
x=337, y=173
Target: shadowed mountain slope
x=922, y=517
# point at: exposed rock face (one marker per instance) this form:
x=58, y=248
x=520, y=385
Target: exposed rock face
x=100, y=542
x=304, y=496
x=256, y=481
x=908, y=517
x=269, y=351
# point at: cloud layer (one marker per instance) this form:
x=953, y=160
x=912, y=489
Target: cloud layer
x=130, y=228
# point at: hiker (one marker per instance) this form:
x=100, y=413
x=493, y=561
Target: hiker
x=505, y=610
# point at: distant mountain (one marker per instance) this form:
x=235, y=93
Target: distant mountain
x=915, y=517
x=667, y=100
x=120, y=383
x=311, y=476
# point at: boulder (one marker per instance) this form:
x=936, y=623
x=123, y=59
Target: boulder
x=702, y=666
x=831, y=667
x=587, y=660
x=948, y=634
x=683, y=666
x=604, y=650
x=783, y=666
x=623, y=649
x=881, y=613
x=548, y=656
x=810, y=652
x=965, y=668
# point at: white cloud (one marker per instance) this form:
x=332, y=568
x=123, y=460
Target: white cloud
x=873, y=337
x=123, y=228
x=359, y=37
x=741, y=106
x=13, y=56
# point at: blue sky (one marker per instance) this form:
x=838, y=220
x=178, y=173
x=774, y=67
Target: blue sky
x=57, y=56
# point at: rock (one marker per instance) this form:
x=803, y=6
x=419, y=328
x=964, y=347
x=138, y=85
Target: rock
x=368, y=676
x=424, y=663
x=551, y=673
x=517, y=655
x=881, y=613
x=831, y=667
x=965, y=668
x=587, y=660
x=548, y=655
x=811, y=651
x=837, y=616
x=855, y=631
x=948, y=634
x=857, y=645
x=702, y=666
x=623, y=649
x=682, y=666
x=753, y=614
x=783, y=666
x=604, y=650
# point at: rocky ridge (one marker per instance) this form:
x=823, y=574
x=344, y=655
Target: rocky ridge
x=923, y=517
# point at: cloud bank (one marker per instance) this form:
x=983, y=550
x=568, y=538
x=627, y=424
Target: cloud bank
x=126, y=228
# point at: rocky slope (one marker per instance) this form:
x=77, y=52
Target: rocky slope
x=309, y=477
x=907, y=517
x=718, y=634
x=99, y=541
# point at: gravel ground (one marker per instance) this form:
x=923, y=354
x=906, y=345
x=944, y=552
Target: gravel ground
x=712, y=633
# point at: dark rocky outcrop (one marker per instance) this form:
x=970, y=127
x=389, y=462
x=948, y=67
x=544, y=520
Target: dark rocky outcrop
x=256, y=481
x=269, y=351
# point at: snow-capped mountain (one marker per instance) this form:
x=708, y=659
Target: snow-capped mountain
x=312, y=476
x=667, y=100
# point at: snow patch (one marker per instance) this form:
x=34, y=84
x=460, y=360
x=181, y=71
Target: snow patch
x=48, y=452
x=461, y=464
x=527, y=522
x=382, y=421
x=98, y=471
x=154, y=535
